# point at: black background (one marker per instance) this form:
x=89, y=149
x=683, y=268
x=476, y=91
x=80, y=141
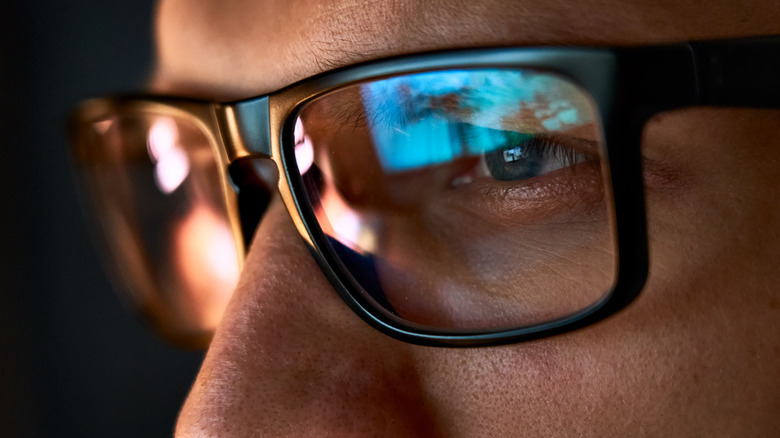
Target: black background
x=73, y=361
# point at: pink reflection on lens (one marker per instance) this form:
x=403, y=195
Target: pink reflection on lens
x=304, y=152
x=172, y=165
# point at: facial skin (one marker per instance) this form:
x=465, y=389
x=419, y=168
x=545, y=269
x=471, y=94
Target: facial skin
x=696, y=355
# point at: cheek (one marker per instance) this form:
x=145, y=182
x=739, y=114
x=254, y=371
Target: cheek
x=705, y=325
x=714, y=224
x=650, y=369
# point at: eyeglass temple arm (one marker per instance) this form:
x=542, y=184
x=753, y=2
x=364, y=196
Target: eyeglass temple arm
x=742, y=72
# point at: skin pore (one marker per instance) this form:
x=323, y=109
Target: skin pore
x=697, y=354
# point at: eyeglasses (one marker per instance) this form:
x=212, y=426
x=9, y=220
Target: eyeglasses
x=461, y=198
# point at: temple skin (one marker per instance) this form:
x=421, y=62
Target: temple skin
x=697, y=354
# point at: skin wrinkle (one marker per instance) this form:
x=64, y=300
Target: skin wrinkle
x=288, y=347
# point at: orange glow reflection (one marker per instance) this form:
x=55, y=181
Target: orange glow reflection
x=339, y=220
x=207, y=263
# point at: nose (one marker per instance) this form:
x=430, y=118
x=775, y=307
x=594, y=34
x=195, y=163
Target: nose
x=290, y=359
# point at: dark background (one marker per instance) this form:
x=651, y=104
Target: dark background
x=73, y=361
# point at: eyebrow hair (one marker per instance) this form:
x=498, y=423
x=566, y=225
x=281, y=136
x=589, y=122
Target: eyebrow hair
x=328, y=55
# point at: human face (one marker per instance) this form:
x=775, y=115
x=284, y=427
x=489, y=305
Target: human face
x=697, y=354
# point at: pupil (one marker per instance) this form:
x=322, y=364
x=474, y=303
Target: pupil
x=516, y=162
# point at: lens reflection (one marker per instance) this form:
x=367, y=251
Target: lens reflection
x=154, y=182
x=171, y=162
x=466, y=200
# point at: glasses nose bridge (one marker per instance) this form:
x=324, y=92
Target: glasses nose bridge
x=245, y=129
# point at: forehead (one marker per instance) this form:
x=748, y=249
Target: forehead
x=227, y=49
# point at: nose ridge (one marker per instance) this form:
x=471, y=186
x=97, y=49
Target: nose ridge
x=290, y=359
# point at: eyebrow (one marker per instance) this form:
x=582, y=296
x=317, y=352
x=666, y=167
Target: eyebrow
x=328, y=56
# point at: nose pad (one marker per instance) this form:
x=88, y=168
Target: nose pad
x=255, y=181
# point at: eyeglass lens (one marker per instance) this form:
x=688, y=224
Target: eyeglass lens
x=462, y=200
x=154, y=182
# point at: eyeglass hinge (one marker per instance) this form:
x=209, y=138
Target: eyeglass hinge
x=245, y=128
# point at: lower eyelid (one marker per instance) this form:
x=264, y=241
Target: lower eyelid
x=572, y=192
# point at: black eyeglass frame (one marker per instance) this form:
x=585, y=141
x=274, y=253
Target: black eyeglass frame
x=628, y=85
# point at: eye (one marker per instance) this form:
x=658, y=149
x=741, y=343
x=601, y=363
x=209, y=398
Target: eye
x=526, y=156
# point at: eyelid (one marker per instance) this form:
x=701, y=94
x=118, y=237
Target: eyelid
x=573, y=151
x=581, y=145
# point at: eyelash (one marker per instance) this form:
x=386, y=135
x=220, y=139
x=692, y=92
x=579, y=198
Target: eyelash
x=552, y=147
x=540, y=154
